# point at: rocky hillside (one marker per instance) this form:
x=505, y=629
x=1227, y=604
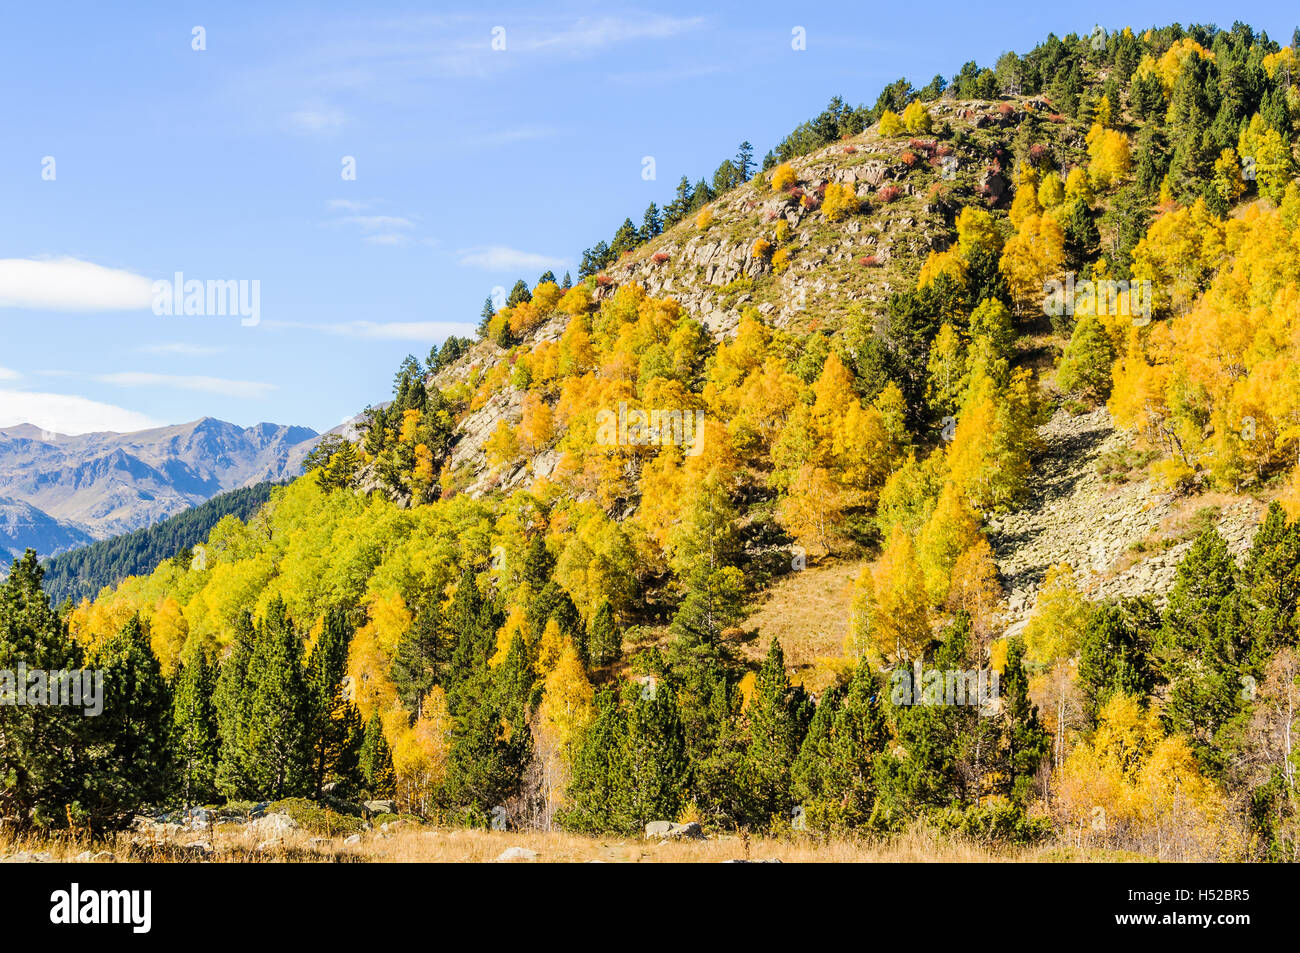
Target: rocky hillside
x=1092, y=505
x=910, y=188
x=63, y=491
x=1094, y=508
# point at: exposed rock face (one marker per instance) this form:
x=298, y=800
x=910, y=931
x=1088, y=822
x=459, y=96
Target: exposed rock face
x=1075, y=517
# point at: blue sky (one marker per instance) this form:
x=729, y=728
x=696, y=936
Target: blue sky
x=474, y=167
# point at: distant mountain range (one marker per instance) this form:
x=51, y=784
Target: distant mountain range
x=59, y=492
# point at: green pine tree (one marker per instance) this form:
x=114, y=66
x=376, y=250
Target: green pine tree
x=277, y=738
x=377, y=760
x=194, y=728
x=779, y=714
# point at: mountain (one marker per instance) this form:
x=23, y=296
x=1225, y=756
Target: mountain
x=60, y=491
x=83, y=572
x=23, y=525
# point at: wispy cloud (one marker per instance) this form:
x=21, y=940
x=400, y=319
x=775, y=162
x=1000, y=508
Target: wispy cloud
x=7, y=375
x=372, y=222
x=665, y=76
x=592, y=34
x=68, y=414
x=503, y=258
x=377, y=228
x=250, y=390
x=319, y=120
x=489, y=138
x=424, y=331
x=180, y=349
x=69, y=284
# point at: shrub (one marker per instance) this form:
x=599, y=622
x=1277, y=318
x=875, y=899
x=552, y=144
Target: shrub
x=809, y=202
x=909, y=158
x=1006, y=109
x=660, y=257
x=850, y=150
x=704, y=219
x=782, y=232
x=888, y=193
x=869, y=261
x=761, y=248
x=783, y=177
x=781, y=260
x=841, y=200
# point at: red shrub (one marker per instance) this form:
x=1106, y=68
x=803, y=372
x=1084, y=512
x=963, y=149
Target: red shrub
x=943, y=149
x=909, y=158
x=1006, y=109
x=1056, y=117
x=604, y=280
x=660, y=257
x=850, y=150
x=810, y=202
x=869, y=261
x=888, y=193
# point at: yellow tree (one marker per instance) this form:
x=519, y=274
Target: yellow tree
x=1035, y=253
x=890, y=618
x=951, y=530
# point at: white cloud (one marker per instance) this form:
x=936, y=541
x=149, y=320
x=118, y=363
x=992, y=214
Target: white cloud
x=372, y=222
x=181, y=349
x=318, y=120
x=424, y=331
x=502, y=258
x=66, y=414
x=7, y=375
x=508, y=136
x=208, y=385
x=588, y=34
x=68, y=284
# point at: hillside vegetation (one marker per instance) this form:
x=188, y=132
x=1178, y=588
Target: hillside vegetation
x=542, y=587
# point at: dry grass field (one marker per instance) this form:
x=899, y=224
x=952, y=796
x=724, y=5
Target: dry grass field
x=412, y=844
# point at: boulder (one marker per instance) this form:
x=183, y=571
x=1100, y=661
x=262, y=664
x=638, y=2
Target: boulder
x=381, y=807
x=274, y=824
x=516, y=853
x=667, y=829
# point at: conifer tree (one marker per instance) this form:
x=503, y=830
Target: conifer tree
x=230, y=699
x=1027, y=742
x=129, y=763
x=605, y=640
x=597, y=794
x=1115, y=653
x=657, y=766
x=376, y=761
x=779, y=714
x=277, y=737
x=194, y=729
x=419, y=656
x=36, y=741
x=334, y=723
